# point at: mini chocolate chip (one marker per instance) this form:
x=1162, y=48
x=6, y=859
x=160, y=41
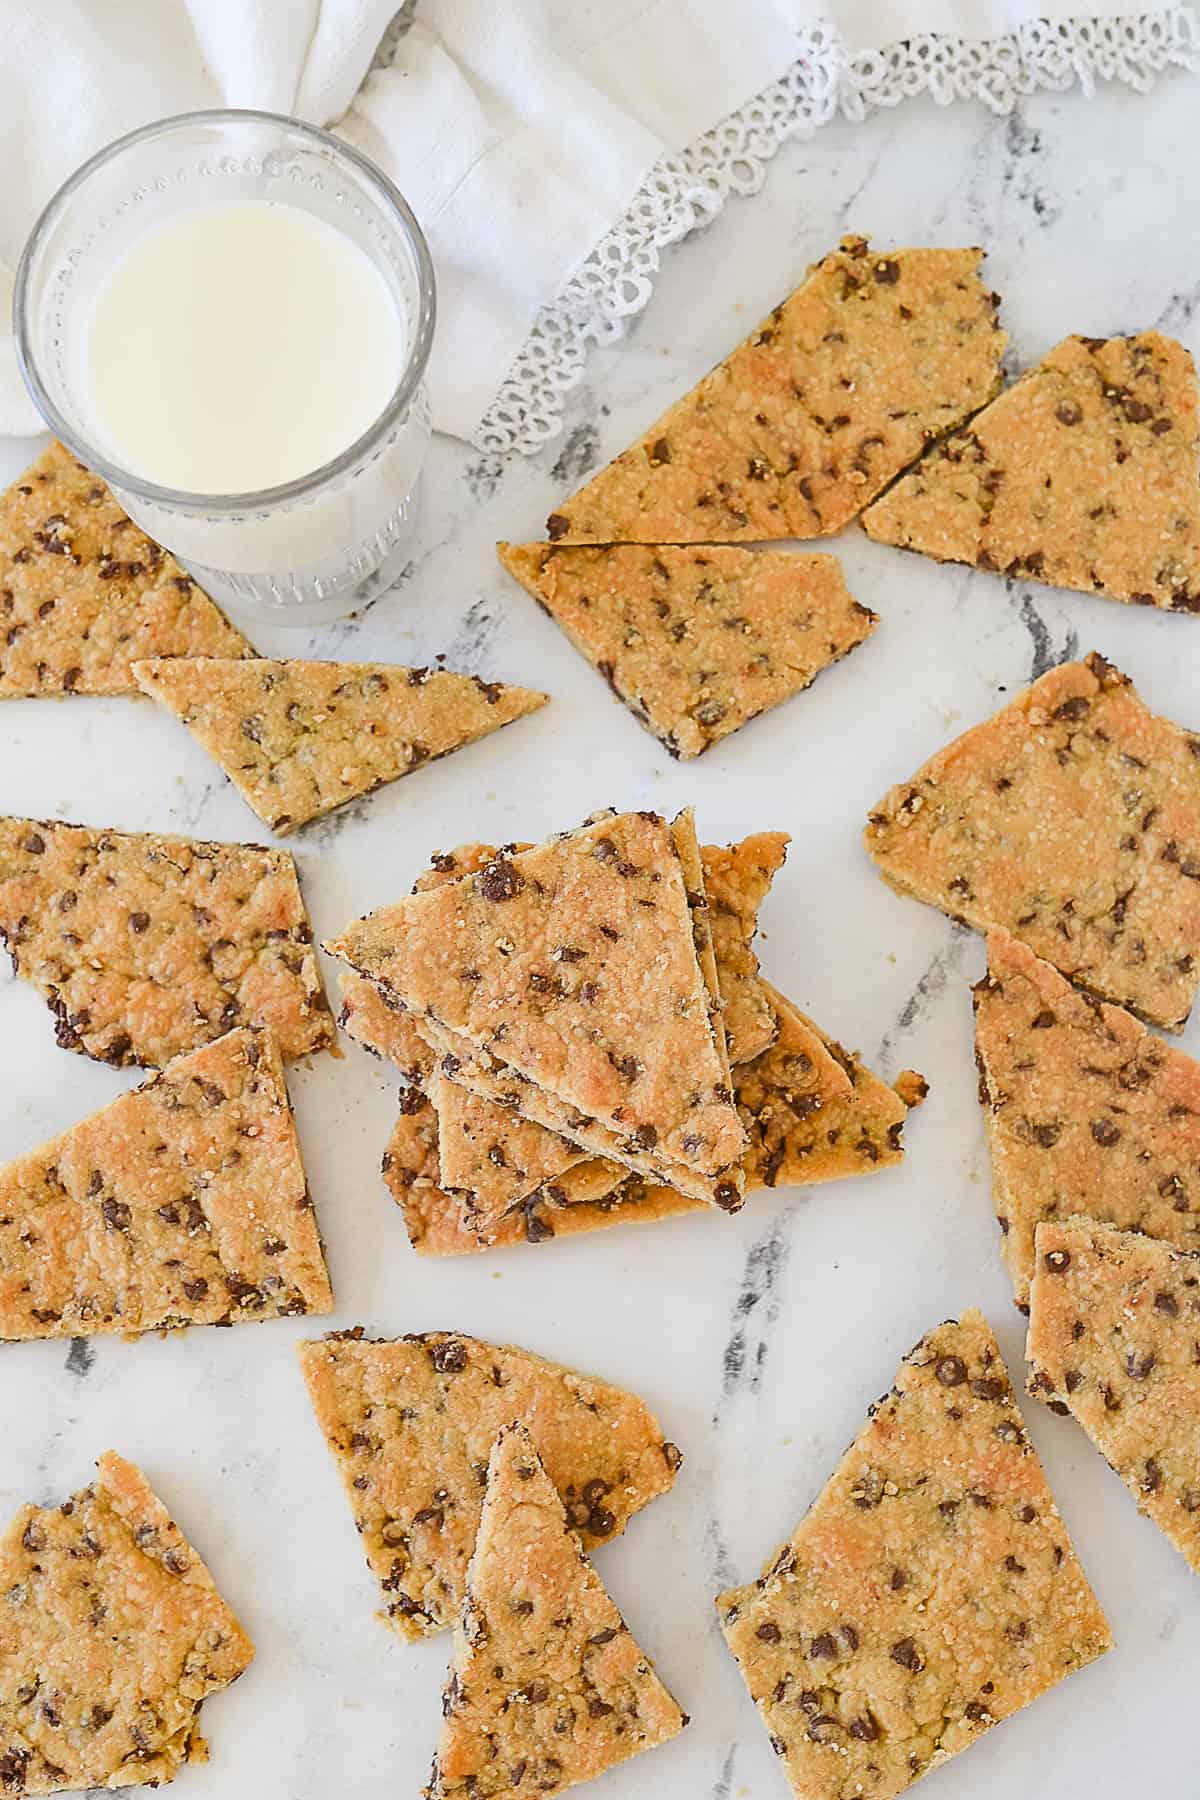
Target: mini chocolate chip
x=1057, y=1261
x=1105, y=1132
x=951, y=1371
x=907, y=1655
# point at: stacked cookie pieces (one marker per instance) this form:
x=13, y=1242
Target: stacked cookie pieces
x=598, y=1047
x=794, y=433
x=481, y=1478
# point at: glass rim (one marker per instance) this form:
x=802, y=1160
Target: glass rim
x=254, y=499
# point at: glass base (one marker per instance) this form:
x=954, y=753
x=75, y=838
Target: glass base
x=306, y=597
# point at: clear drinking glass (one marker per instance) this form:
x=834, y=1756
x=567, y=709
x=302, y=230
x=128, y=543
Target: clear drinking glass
x=295, y=553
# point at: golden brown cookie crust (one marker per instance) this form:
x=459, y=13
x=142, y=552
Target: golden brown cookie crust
x=1084, y=474
x=695, y=642
x=145, y=947
x=1072, y=820
x=84, y=593
x=410, y=1424
x=801, y=426
x=298, y=739
x=1086, y=1111
x=546, y=1677
x=182, y=1203
x=112, y=1636
x=1114, y=1327
x=930, y=1591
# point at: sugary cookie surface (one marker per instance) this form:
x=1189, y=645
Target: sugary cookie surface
x=930, y=1591
x=1072, y=819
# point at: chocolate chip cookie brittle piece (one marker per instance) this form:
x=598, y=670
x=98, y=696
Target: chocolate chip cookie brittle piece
x=1072, y=819
x=1085, y=474
x=111, y=1637
x=493, y=1159
x=814, y=1112
x=145, y=947
x=930, y=1591
x=737, y=879
x=182, y=1203
x=808, y=419
x=411, y=1423
x=547, y=1686
x=1086, y=1111
x=696, y=642
x=579, y=1202
x=298, y=739
x=545, y=957
x=1114, y=1339
x=84, y=593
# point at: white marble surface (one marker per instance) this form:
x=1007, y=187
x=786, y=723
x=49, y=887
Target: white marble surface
x=759, y=1339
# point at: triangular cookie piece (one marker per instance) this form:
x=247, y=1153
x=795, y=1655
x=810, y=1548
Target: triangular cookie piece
x=145, y=947
x=493, y=1160
x=1086, y=1111
x=581, y=1201
x=411, y=1423
x=1071, y=819
x=737, y=879
x=695, y=642
x=182, y=1203
x=808, y=419
x=298, y=739
x=813, y=1111
x=547, y=1686
x=84, y=593
x=1084, y=474
x=112, y=1636
x=545, y=958
x=930, y=1591
x=1114, y=1339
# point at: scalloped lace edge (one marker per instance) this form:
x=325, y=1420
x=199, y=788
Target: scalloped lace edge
x=687, y=191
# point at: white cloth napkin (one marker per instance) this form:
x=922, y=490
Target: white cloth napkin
x=544, y=144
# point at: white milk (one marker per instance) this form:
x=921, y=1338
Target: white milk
x=238, y=346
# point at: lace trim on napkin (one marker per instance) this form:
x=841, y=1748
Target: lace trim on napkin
x=686, y=191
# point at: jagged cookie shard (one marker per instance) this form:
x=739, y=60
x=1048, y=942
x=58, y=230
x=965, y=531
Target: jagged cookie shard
x=145, y=947
x=1086, y=1111
x=930, y=1591
x=813, y=1111
x=84, y=593
x=808, y=419
x=410, y=1424
x=1072, y=819
x=182, y=1203
x=1085, y=474
x=695, y=642
x=546, y=956
x=111, y=1637
x=737, y=879
x=298, y=739
x=581, y=1201
x=1113, y=1332
x=547, y=1687
x=374, y=1021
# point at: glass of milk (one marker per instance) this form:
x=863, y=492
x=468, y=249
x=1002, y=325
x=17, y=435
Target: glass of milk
x=227, y=316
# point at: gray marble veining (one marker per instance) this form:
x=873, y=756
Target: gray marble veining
x=760, y=1339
